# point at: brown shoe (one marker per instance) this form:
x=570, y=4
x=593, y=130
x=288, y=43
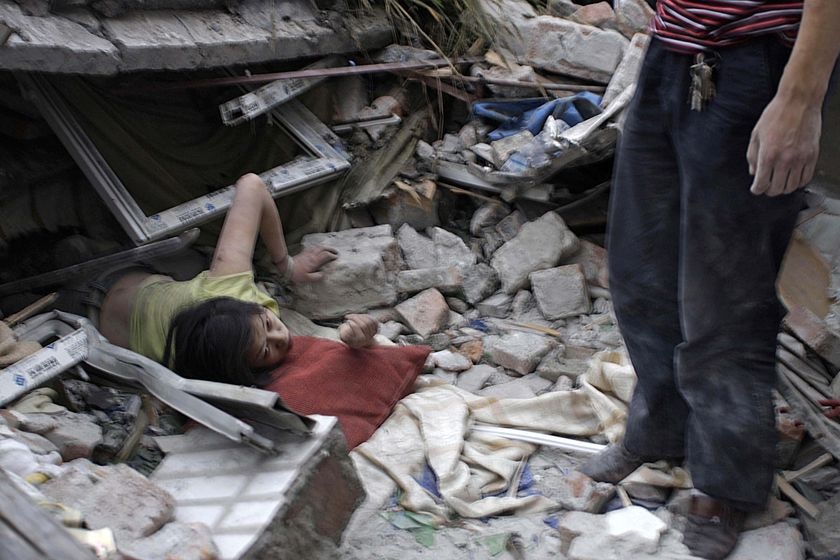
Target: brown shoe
x=713, y=527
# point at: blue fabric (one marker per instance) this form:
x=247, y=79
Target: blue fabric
x=531, y=114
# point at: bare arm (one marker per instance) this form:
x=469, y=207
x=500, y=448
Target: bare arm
x=253, y=213
x=784, y=147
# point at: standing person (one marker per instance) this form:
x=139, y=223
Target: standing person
x=720, y=137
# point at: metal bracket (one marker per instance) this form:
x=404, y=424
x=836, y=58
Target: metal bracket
x=326, y=159
x=80, y=342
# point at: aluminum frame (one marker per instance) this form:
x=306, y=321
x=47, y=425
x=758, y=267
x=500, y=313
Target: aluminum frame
x=326, y=159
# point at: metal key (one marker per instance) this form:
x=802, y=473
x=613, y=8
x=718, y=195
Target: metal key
x=702, y=88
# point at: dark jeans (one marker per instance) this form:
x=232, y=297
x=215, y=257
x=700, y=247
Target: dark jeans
x=693, y=263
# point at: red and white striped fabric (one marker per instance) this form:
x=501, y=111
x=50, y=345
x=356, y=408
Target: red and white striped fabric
x=693, y=25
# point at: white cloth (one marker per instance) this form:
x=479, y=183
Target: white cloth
x=432, y=425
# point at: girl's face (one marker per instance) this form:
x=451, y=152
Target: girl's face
x=270, y=341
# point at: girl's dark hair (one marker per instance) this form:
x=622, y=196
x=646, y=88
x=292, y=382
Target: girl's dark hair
x=210, y=340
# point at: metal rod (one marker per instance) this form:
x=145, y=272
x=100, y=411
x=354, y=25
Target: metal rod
x=521, y=83
x=311, y=73
x=563, y=443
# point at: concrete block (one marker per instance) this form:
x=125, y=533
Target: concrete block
x=425, y=313
x=561, y=292
x=451, y=361
x=637, y=528
x=503, y=148
x=475, y=378
x=362, y=277
x=627, y=71
x=417, y=249
x=497, y=305
x=480, y=281
x=116, y=497
x=185, y=541
x=450, y=250
x=540, y=244
x=520, y=352
x=446, y=279
x=54, y=44
x=570, y=48
x=781, y=541
x=152, y=40
x=452, y=144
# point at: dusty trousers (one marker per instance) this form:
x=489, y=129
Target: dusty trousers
x=693, y=259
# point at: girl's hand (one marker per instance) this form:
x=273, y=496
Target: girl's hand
x=358, y=330
x=307, y=265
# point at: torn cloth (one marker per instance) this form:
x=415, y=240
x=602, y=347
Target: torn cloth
x=432, y=426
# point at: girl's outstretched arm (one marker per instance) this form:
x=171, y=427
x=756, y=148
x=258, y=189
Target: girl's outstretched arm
x=253, y=213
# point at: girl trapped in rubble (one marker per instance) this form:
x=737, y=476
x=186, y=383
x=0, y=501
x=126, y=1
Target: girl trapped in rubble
x=219, y=325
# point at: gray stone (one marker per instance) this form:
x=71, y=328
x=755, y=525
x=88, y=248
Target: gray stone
x=74, y=435
x=523, y=302
x=456, y=320
x=451, y=361
x=490, y=242
x=487, y=215
x=184, y=541
x=54, y=44
x=438, y=342
x=479, y=282
x=450, y=250
x=520, y=352
x=446, y=279
x=475, y=378
x=424, y=150
x=574, y=49
x=540, y=244
x=363, y=276
x=425, y=313
x=593, y=260
x=445, y=375
x=563, y=384
x=497, y=305
x=511, y=21
x=627, y=71
x=37, y=444
x=599, y=14
x=561, y=292
x=515, y=389
x=633, y=15
x=468, y=135
x=452, y=144
x=602, y=306
x=484, y=151
x=116, y=497
x=510, y=225
x=561, y=8
x=391, y=329
x=417, y=249
x=457, y=305
x=554, y=367
x=781, y=541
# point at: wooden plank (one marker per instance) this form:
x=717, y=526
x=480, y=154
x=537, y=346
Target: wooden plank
x=36, y=527
x=797, y=498
x=821, y=461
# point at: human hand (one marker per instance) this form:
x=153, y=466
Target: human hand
x=784, y=146
x=358, y=330
x=307, y=264
x=833, y=407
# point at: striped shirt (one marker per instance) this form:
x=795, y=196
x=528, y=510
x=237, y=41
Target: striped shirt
x=691, y=26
